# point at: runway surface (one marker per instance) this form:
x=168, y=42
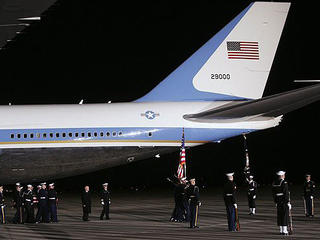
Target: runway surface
x=145, y=215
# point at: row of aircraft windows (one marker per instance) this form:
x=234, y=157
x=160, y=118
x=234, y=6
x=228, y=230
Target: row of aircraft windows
x=70, y=134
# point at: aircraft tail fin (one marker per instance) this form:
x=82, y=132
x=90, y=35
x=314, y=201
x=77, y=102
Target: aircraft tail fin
x=232, y=65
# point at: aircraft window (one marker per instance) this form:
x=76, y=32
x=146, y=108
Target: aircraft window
x=95, y=134
x=57, y=135
x=25, y=135
x=64, y=135
x=19, y=135
x=51, y=135
x=38, y=135
x=89, y=134
x=44, y=135
x=31, y=135
x=12, y=135
x=108, y=134
x=114, y=134
x=120, y=134
x=82, y=135
x=76, y=134
x=70, y=134
x=101, y=134
x=150, y=134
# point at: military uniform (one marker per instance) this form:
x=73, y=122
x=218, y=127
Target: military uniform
x=194, y=203
x=2, y=208
x=181, y=209
x=52, y=200
x=86, y=205
x=18, y=204
x=28, y=206
x=252, y=193
x=105, y=202
x=42, y=206
x=229, y=197
x=308, y=193
x=281, y=197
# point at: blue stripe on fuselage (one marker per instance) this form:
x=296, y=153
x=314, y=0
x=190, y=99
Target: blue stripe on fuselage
x=127, y=133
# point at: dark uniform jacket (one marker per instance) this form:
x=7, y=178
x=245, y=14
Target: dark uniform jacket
x=252, y=188
x=308, y=188
x=28, y=197
x=86, y=200
x=280, y=192
x=1, y=199
x=52, y=196
x=17, y=198
x=105, y=196
x=43, y=196
x=193, y=194
x=229, y=191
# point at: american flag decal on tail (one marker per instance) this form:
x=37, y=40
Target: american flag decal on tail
x=243, y=50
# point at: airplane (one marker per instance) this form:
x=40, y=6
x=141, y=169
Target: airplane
x=217, y=93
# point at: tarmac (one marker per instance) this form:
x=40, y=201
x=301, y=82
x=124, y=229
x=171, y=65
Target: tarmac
x=145, y=215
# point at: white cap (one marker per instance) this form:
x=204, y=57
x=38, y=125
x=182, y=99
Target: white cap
x=105, y=184
x=250, y=176
x=280, y=173
x=51, y=184
x=229, y=174
x=39, y=186
x=29, y=185
x=18, y=184
x=44, y=183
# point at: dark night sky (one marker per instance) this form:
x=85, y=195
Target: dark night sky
x=98, y=51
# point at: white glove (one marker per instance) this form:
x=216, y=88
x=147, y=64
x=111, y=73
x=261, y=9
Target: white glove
x=235, y=205
x=289, y=205
x=311, y=197
x=199, y=204
x=254, y=197
x=102, y=203
x=109, y=202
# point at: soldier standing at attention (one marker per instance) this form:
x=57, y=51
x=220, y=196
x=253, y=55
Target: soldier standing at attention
x=230, y=201
x=28, y=205
x=53, y=200
x=280, y=192
x=105, y=201
x=193, y=195
x=86, y=203
x=2, y=207
x=308, y=193
x=43, y=204
x=18, y=204
x=252, y=195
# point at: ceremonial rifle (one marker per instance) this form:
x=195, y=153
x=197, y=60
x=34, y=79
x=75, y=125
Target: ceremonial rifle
x=290, y=219
x=237, y=219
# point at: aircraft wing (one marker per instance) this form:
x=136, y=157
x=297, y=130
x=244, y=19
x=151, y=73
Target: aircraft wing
x=260, y=109
x=15, y=15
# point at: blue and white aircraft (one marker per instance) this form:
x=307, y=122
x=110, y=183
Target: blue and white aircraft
x=217, y=93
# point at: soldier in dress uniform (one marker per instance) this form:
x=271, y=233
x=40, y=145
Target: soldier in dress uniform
x=42, y=215
x=86, y=203
x=252, y=195
x=36, y=200
x=229, y=197
x=281, y=196
x=194, y=203
x=2, y=207
x=105, y=201
x=28, y=205
x=308, y=193
x=18, y=204
x=53, y=201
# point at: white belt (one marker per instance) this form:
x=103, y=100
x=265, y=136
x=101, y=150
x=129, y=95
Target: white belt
x=279, y=194
x=43, y=198
x=52, y=198
x=251, y=189
x=229, y=194
x=28, y=200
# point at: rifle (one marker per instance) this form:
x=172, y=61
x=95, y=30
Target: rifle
x=3, y=214
x=290, y=220
x=237, y=220
x=312, y=211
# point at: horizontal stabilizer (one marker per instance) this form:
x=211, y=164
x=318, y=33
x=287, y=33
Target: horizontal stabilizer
x=267, y=107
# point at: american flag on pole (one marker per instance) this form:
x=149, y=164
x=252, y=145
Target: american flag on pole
x=182, y=168
x=243, y=50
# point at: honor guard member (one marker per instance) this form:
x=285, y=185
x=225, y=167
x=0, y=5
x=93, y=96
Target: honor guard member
x=53, y=200
x=194, y=203
x=281, y=198
x=18, y=204
x=86, y=203
x=42, y=215
x=308, y=193
x=28, y=205
x=36, y=199
x=2, y=206
x=229, y=197
x=252, y=195
x=105, y=201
